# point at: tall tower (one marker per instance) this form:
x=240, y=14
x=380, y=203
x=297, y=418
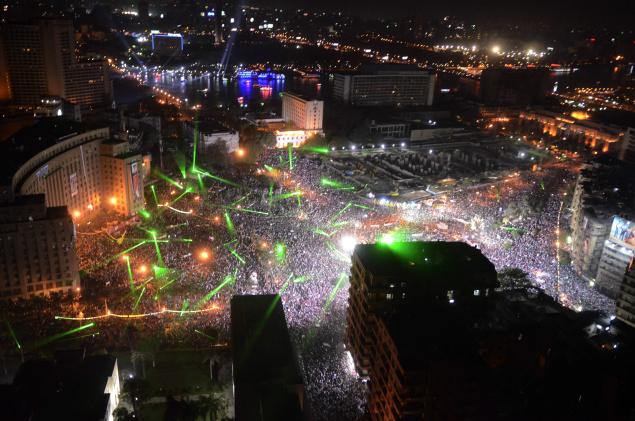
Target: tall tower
x=37, y=55
x=38, y=59
x=143, y=7
x=218, y=30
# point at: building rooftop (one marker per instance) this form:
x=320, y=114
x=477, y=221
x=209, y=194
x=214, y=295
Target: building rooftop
x=457, y=330
x=302, y=96
x=210, y=126
x=24, y=144
x=608, y=188
x=433, y=265
x=265, y=367
x=64, y=389
x=386, y=69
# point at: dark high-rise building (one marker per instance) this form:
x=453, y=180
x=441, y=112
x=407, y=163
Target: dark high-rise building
x=438, y=341
x=167, y=45
x=393, y=85
x=39, y=60
x=218, y=29
x=143, y=9
x=268, y=384
x=37, y=248
x=505, y=86
x=625, y=304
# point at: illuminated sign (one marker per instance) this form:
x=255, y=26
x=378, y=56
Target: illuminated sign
x=72, y=180
x=623, y=232
x=252, y=74
x=157, y=36
x=136, y=182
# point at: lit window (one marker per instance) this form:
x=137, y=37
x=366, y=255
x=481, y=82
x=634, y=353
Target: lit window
x=477, y=292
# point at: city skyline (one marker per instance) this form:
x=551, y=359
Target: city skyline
x=237, y=211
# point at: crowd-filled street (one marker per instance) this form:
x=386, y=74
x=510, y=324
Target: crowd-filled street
x=278, y=227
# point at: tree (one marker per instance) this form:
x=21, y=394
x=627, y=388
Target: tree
x=210, y=406
x=513, y=278
x=138, y=391
x=150, y=345
x=122, y=414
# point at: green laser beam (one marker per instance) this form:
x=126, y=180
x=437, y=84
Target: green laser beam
x=301, y=279
x=168, y=179
x=136, y=304
x=341, y=211
x=290, y=150
x=240, y=200
x=247, y=210
x=168, y=284
x=201, y=185
x=333, y=184
x=280, y=251
x=230, y=224
x=287, y=195
x=196, y=123
x=153, y=233
x=80, y=337
x=187, y=190
x=362, y=206
x=334, y=291
x=338, y=253
x=184, y=307
x=270, y=193
x=180, y=162
x=61, y=335
x=205, y=334
x=130, y=277
x=12, y=333
x=215, y=177
x=159, y=271
x=154, y=194
x=231, y=278
x=237, y=256
x=323, y=150
x=322, y=232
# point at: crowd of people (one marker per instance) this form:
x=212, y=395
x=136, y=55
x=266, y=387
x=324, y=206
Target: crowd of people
x=274, y=228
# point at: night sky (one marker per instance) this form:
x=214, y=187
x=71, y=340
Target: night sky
x=545, y=10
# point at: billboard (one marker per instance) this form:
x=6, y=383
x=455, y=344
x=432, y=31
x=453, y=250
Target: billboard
x=136, y=181
x=623, y=232
x=72, y=180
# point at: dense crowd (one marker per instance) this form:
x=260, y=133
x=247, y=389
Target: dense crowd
x=280, y=231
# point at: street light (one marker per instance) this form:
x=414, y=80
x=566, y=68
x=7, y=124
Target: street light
x=204, y=255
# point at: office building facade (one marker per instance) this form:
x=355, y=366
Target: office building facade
x=395, y=86
x=601, y=238
x=305, y=114
x=617, y=254
x=37, y=248
x=122, y=177
x=40, y=60
x=625, y=304
x=627, y=148
x=82, y=169
x=438, y=341
x=304, y=118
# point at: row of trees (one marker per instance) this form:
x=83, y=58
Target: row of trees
x=137, y=391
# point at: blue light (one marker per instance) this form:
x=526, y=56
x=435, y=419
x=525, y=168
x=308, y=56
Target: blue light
x=251, y=74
